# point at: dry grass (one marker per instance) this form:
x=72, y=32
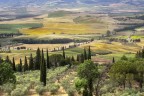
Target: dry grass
x=65, y=28
x=115, y=47
x=43, y=46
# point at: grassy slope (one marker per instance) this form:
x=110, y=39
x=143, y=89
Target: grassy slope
x=14, y=28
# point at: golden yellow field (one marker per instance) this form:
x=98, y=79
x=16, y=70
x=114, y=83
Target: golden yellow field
x=64, y=28
x=114, y=47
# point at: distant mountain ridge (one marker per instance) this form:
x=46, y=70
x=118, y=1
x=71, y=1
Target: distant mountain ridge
x=47, y=4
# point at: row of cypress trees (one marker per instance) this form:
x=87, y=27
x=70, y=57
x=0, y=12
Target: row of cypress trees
x=86, y=55
x=140, y=54
x=40, y=63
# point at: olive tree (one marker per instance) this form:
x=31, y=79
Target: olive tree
x=6, y=73
x=89, y=71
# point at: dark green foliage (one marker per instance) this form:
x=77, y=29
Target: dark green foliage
x=63, y=53
x=26, y=65
x=55, y=59
x=82, y=58
x=48, y=62
x=20, y=66
x=13, y=65
x=142, y=53
x=89, y=71
x=85, y=54
x=8, y=60
x=43, y=41
x=113, y=60
x=85, y=92
x=125, y=72
x=1, y=60
x=124, y=57
x=6, y=73
x=78, y=58
x=38, y=59
x=43, y=69
x=72, y=59
x=89, y=53
x=63, y=62
x=31, y=63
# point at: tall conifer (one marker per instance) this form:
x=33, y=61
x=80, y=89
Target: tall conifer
x=31, y=63
x=89, y=53
x=38, y=59
x=43, y=69
x=63, y=53
x=13, y=65
x=48, y=63
x=25, y=64
x=85, y=54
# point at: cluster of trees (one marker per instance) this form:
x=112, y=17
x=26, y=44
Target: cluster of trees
x=8, y=35
x=141, y=17
x=38, y=41
x=6, y=72
x=39, y=62
x=42, y=63
x=86, y=55
x=132, y=27
x=128, y=71
x=88, y=73
x=51, y=41
x=123, y=40
x=140, y=54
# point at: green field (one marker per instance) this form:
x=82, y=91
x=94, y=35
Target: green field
x=14, y=28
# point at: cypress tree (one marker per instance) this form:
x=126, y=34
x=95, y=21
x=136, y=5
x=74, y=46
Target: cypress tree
x=45, y=73
x=7, y=60
x=137, y=54
x=31, y=63
x=82, y=58
x=48, y=63
x=13, y=65
x=113, y=61
x=20, y=66
x=63, y=53
x=25, y=64
x=142, y=53
x=43, y=70
x=78, y=58
x=85, y=54
x=89, y=53
x=90, y=85
x=72, y=59
x=38, y=59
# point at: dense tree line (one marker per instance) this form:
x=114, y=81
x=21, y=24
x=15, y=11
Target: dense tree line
x=140, y=54
x=123, y=40
x=52, y=41
x=141, y=17
x=126, y=71
x=132, y=27
x=86, y=55
x=8, y=35
x=36, y=41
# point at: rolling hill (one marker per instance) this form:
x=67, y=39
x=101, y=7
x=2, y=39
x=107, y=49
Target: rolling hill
x=72, y=4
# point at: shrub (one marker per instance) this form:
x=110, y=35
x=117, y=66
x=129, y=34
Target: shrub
x=6, y=73
x=53, y=88
x=71, y=91
x=21, y=90
x=40, y=89
x=8, y=87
